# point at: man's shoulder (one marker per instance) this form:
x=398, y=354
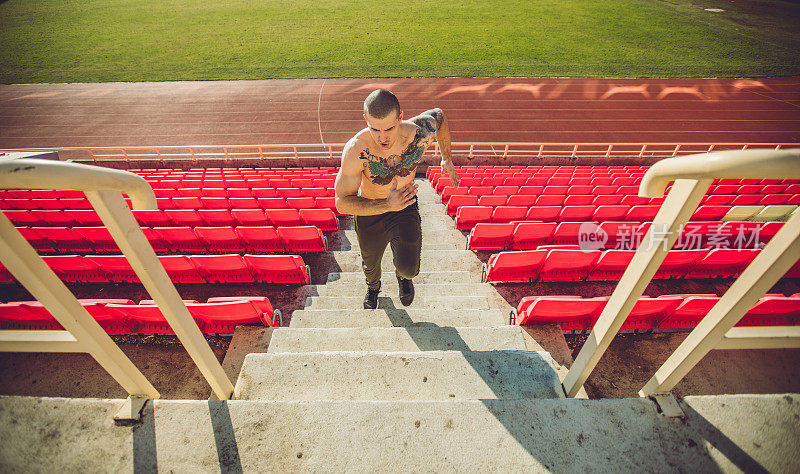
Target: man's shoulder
x=357, y=143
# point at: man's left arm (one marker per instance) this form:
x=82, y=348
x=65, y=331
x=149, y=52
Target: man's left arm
x=442, y=130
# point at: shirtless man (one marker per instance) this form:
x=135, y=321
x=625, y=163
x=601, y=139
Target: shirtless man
x=375, y=184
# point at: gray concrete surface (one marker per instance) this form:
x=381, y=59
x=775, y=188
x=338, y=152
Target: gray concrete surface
x=407, y=339
x=397, y=317
x=387, y=300
x=423, y=277
x=739, y=433
x=432, y=375
x=432, y=260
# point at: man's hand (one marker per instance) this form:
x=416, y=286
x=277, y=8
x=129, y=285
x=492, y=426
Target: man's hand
x=447, y=167
x=401, y=198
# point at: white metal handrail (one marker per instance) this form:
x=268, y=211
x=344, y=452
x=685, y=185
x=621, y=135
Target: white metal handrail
x=692, y=179
x=467, y=150
x=103, y=188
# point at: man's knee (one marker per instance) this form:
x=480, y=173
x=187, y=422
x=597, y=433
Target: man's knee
x=407, y=269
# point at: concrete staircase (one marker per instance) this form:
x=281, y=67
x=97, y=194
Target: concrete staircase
x=452, y=343
x=444, y=385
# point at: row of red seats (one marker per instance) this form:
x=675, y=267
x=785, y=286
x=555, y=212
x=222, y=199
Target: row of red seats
x=290, y=171
x=243, y=183
x=616, y=235
x=324, y=219
x=181, y=268
x=528, y=200
x=224, y=192
x=326, y=202
x=584, y=184
x=574, y=313
x=468, y=216
x=434, y=172
x=241, y=239
x=119, y=316
x=573, y=264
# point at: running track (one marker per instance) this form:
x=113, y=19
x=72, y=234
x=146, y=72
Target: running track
x=329, y=111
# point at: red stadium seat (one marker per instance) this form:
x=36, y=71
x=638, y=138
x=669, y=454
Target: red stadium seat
x=492, y=200
x=567, y=265
x=116, y=267
x=213, y=193
x=576, y=213
x=678, y=263
x=240, y=193
x=283, y=217
x=222, y=268
x=611, y=265
x=505, y=190
x=260, y=239
x=181, y=269
x=580, y=189
x=722, y=263
x=689, y=312
x=529, y=235
x=572, y=313
x=216, y=217
x=22, y=217
x=460, y=200
x=99, y=239
x=550, y=200
x=579, y=200
x=302, y=202
x=302, y=239
x=214, y=203
x=526, y=200
x=223, y=317
x=610, y=212
x=261, y=303
x=249, y=217
x=265, y=192
x=468, y=216
x=710, y=213
x=152, y=218
x=186, y=203
x=287, y=192
x=773, y=311
x=26, y=315
x=220, y=239
x=774, y=199
x=648, y=313
x=74, y=268
x=278, y=268
x=156, y=240
x=324, y=219
x=642, y=213
x=514, y=266
x=543, y=213
x=181, y=239
x=144, y=318
x=504, y=214
x=183, y=218
x=489, y=236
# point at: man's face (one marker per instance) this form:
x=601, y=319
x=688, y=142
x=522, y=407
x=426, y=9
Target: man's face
x=385, y=131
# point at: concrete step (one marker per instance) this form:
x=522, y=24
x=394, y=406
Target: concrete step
x=397, y=317
x=719, y=433
x=431, y=261
x=392, y=301
x=389, y=276
x=409, y=339
x=390, y=288
x=435, y=375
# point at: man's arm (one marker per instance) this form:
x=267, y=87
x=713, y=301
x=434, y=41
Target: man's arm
x=348, y=180
x=442, y=128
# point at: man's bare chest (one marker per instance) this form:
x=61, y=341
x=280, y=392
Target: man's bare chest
x=381, y=170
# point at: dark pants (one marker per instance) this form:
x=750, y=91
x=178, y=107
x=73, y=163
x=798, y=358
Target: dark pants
x=403, y=230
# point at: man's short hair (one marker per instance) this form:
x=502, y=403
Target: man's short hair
x=380, y=103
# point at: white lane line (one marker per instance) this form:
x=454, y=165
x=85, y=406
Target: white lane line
x=319, y=104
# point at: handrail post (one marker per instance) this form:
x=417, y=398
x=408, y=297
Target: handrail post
x=771, y=263
x=680, y=204
x=119, y=220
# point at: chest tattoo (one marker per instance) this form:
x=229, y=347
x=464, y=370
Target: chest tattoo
x=382, y=170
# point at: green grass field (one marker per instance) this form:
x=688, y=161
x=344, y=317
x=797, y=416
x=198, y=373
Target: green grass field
x=146, y=40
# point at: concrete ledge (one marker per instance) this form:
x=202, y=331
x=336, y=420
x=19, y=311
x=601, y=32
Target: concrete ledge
x=433, y=375
x=750, y=433
x=388, y=277
x=385, y=301
x=396, y=317
x=397, y=339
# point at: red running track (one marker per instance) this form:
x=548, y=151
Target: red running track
x=329, y=111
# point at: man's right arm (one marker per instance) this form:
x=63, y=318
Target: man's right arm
x=348, y=180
